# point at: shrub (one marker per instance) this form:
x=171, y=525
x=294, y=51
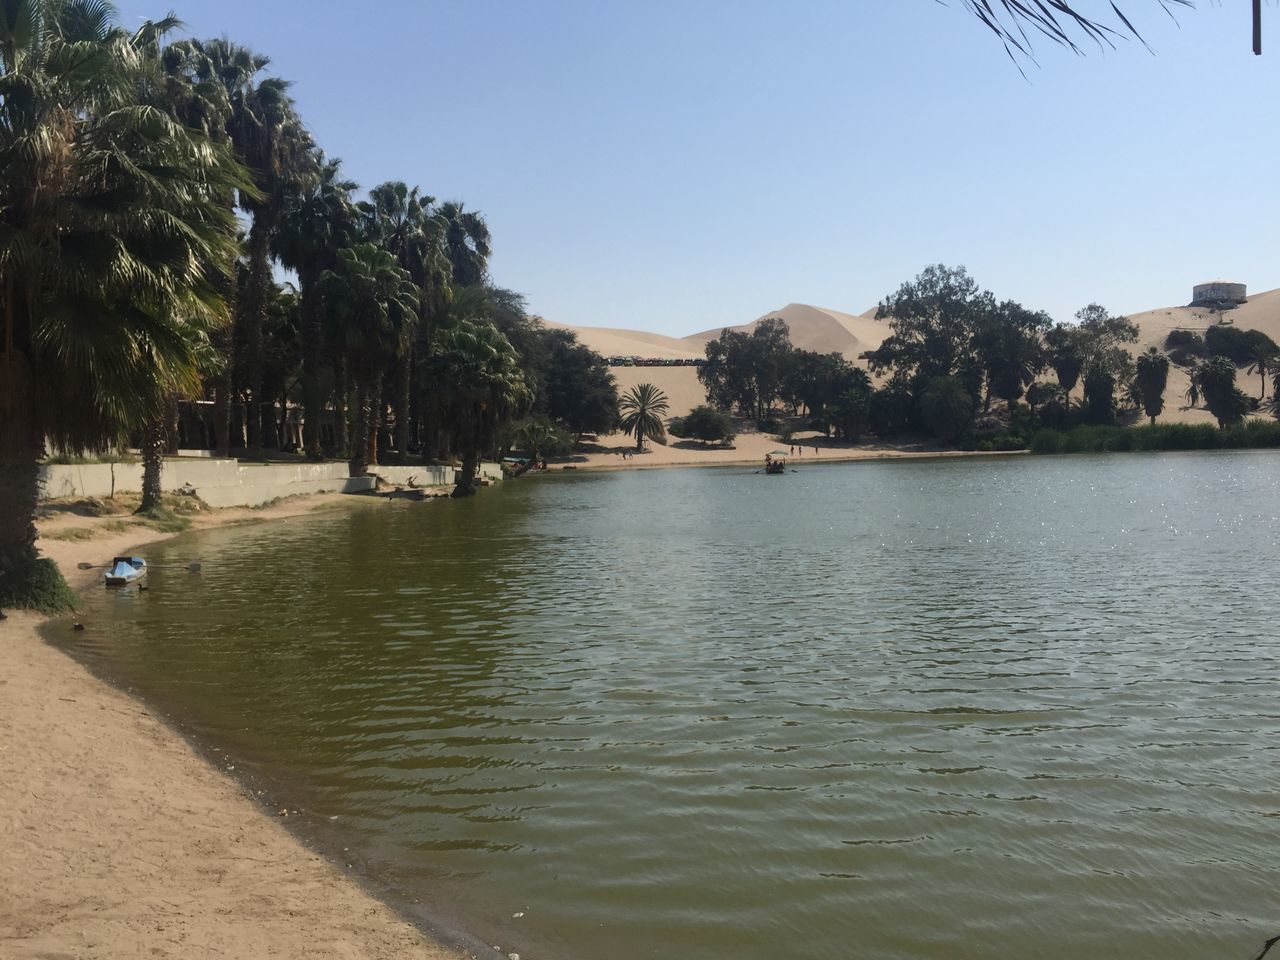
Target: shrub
x=946, y=407
x=37, y=586
x=704, y=423
x=1162, y=436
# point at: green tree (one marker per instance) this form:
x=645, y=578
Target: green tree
x=1152, y=378
x=373, y=303
x=1040, y=393
x=110, y=247
x=747, y=370
x=946, y=408
x=319, y=219
x=402, y=220
x=578, y=389
x=642, y=409
x=1100, y=394
x=1065, y=354
x=706, y=424
x=482, y=389
x=1216, y=380
x=850, y=410
x=934, y=319
x=270, y=140
x=893, y=407
x=1010, y=348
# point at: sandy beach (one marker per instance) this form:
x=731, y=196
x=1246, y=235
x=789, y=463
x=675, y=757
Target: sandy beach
x=120, y=840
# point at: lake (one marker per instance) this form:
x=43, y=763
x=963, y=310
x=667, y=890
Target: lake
x=958, y=709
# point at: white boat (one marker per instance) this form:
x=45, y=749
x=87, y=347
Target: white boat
x=125, y=570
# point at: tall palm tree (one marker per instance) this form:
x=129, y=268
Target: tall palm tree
x=111, y=244
x=402, y=220
x=466, y=243
x=1152, y=376
x=319, y=219
x=373, y=304
x=482, y=387
x=642, y=409
x=1263, y=360
x=272, y=143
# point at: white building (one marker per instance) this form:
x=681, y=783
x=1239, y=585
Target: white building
x=1217, y=293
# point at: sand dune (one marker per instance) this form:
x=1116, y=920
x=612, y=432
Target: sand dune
x=631, y=343
x=817, y=329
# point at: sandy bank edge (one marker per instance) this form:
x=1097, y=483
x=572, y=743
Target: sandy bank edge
x=119, y=839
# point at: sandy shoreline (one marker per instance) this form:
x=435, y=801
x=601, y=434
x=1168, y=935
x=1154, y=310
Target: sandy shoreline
x=120, y=840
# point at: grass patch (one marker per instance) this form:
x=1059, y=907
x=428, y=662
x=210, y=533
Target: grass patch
x=36, y=586
x=117, y=526
x=70, y=534
x=1252, y=434
x=164, y=519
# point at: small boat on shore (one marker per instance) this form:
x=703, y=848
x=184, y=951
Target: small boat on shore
x=125, y=570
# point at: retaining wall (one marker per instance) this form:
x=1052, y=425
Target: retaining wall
x=220, y=483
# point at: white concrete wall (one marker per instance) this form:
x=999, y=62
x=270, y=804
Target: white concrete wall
x=220, y=483
x=433, y=476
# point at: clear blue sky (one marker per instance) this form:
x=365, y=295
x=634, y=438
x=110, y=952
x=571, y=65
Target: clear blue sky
x=676, y=166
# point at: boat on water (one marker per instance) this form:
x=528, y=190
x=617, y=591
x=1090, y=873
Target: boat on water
x=775, y=462
x=125, y=570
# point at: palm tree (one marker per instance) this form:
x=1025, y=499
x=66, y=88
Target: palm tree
x=373, y=305
x=1012, y=20
x=642, y=409
x=1151, y=380
x=319, y=219
x=482, y=389
x=1262, y=361
x=466, y=244
x=271, y=141
x=1193, y=393
x=111, y=244
x=401, y=219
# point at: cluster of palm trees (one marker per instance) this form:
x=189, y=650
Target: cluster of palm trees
x=147, y=190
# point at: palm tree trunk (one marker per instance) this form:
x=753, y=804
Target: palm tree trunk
x=465, y=482
x=313, y=403
x=254, y=316
x=341, y=434
x=153, y=446
x=173, y=426
x=375, y=423
x=19, y=492
x=224, y=343
x=404, y=384
x=21, y=447
x=359, y=464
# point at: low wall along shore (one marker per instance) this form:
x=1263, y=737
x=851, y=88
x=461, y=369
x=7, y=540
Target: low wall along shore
x=230, y=483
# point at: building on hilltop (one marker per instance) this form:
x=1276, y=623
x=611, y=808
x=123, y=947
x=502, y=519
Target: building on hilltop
x=1220, y=294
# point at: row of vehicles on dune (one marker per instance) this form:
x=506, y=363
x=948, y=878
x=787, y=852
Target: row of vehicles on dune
x=654, y=361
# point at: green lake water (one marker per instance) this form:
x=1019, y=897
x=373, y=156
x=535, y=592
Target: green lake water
x=966, y=709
